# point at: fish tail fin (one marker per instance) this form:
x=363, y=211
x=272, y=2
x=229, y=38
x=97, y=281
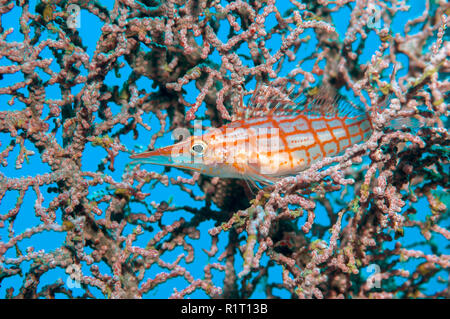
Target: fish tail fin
x=399, y=123
x=410, y=121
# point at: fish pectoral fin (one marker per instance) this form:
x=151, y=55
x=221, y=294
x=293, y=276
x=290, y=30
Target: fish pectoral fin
x=251, y=188
x=254, y=174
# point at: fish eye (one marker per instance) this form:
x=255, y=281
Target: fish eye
x=198, y=148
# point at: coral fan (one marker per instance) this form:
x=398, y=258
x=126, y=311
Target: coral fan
x=370, y=223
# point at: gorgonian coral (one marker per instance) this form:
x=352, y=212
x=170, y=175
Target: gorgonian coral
x=378, y=210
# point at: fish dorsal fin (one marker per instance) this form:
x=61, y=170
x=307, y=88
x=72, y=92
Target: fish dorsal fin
x=324, y=101
x=268, y=100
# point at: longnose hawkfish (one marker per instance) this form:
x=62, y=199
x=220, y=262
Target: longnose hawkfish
x=278, y=140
